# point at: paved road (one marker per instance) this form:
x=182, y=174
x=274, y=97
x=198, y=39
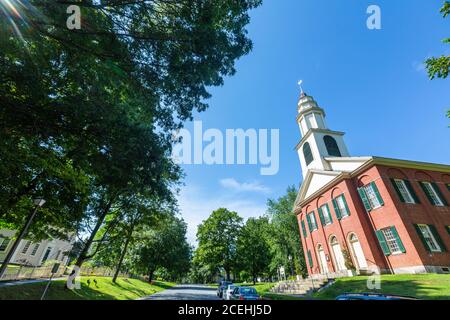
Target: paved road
x=185, y=292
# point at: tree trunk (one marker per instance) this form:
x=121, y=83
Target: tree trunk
x=87, y=246
x=150, y=275
x=122, y=255
x=228, y=274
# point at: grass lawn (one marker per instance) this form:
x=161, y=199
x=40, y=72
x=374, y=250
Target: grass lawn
x=124, y=289
x=426, y=286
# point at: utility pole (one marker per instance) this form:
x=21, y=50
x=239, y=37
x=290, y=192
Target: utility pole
x=38, y=203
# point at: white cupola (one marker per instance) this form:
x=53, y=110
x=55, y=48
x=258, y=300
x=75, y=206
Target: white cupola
x=318, y=142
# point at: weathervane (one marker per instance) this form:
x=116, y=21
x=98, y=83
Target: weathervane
x=300, y=83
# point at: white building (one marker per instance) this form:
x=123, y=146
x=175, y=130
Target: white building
x=33, y=254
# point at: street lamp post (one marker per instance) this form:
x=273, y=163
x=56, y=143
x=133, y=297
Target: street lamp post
x=38, y=203
x=290, y=263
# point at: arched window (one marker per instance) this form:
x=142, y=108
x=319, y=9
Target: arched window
x=307, y=154
x=334, y=241
x=332, y=147
x=353, y=238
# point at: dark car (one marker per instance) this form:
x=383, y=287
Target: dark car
x=222, y=286
x=372, y=296
x=245, y=293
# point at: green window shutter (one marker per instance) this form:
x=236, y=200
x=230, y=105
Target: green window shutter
x=305, y=235
x=362, y=194
x=322, y=219
x=310, y=261
x=426, y=193
x=437, y=237
x=345, y=204
x=308, y=218
x=419, y=232
x=448, y=186
x=394, y=184
x=412, y=192
x=399, y=241
x=329, y=212
x=383, y=243
x=448, y=229
x=439, y=193
x=336, y=210
x=377, y=193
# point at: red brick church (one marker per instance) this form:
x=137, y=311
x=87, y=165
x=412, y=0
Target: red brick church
x=360, y=215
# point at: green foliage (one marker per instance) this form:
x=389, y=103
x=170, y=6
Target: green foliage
x=253, y=248
x=440, y=67
x=285, y=236
x=217, y=241
x=348, y=260
x=256, y=249
x=164, y=248
x=87, y=116
x=445, y=10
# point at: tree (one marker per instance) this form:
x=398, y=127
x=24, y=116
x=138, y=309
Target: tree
x=253, y=247
x=90, y=112
x=161, y=247
x=217, y=240
x=285, y=238
x=440, y=67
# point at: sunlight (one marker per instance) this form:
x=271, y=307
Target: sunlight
x=17, y=13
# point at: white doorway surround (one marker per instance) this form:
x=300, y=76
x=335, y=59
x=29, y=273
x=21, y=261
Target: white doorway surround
x=337, y=252
x=323, y=260
x=358, y=253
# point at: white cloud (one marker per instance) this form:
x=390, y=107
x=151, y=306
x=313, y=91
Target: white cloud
x=232, y=184
x=196, y=205
x=419, y=66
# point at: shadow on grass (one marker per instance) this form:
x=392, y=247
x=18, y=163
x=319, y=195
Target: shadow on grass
x=133, y=288
x=57, y=291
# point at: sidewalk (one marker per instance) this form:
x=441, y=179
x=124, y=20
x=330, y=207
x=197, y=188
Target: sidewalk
x=20, y=282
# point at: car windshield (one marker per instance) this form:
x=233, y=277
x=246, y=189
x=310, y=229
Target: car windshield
x=231, y=287
x=248, y=291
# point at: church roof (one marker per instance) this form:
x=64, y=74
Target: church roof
x=317, y=181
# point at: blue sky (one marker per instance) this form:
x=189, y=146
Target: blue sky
x=371, y=83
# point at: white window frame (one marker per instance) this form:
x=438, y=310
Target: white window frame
x=26, y=247
x=372, y=196
x=391, y=241
x=2, y=240
x=312, y=218
x=404, y=191
x=433, y=194
x=341, y=206
x=326, y=215
x=35, y=249
x=428, y=235
x=50, y=249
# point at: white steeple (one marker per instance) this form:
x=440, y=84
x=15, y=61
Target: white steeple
x=318, y=142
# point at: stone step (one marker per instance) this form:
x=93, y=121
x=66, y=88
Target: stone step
x=300, y=287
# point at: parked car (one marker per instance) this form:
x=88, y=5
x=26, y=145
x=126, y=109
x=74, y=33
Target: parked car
x=221, y=288
x=372, y=296
x=228, y=291
x=244, y=293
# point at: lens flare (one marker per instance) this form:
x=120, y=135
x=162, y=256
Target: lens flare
x=17, y=13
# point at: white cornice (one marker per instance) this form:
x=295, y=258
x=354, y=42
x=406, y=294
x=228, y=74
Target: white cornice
x=310, y=131
x=370, y=161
